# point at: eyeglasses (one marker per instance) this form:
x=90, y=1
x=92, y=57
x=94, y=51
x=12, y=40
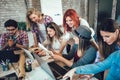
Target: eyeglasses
x=10, y=29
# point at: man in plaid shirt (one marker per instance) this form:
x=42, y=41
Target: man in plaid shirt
x=13, y=39
x=21, y=37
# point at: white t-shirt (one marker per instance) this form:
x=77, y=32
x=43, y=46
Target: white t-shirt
x=42, y=29
x=69, y=35
x=30, y=38
x=56, y=45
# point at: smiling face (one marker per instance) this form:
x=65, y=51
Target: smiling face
x=51, y=32
x=33, y=17
x=11, y=30
x=69, y=22
x=109, y=37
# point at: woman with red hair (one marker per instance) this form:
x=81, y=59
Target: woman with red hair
x=71, y=21
x=70, y=16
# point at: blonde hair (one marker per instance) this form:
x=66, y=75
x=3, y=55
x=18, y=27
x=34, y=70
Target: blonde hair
x=28, y=20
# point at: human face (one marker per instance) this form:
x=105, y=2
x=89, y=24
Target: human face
x=11, y=30
x=34, y=18
x=109, y=37
x=69, y=22
x=51, y=32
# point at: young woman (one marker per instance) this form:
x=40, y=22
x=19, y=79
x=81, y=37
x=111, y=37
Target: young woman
x=109, y=42
x=71, y=21
x=36, y=22
x=54, y=39
x=83, y=51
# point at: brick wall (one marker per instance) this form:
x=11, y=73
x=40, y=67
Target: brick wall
x=36, y=4
x=16, y=9
x=74, y=4
x=11, y=9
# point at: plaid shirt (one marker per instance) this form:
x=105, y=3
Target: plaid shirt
x=47, y=19
x=22, y=38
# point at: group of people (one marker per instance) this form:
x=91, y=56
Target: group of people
x=77, y=46
x=108, y=36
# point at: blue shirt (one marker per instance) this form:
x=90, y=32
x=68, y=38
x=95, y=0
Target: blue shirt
x=112, y=63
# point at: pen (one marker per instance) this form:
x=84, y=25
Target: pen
x=3, y=63
x=7, y=61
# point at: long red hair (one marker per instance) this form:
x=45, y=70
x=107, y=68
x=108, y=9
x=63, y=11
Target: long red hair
x=74, y=16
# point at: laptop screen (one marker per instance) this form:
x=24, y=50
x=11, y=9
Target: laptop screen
x=8, y=54
x=44, y=65
x=53, y=69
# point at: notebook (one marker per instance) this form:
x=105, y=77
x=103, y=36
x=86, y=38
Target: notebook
x=53, y=69
x=8, y=54
x=11, y=76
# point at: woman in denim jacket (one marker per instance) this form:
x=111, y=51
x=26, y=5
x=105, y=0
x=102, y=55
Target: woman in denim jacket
x=109, y=37
x=83, y=51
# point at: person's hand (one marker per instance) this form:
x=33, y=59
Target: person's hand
x=10, y=42
x=76, y=39
x=56, y=57
x=34, y=46
x=86, y=76
x=69, y=74
x=56, y=52
x=40, y=52
x=71, y=41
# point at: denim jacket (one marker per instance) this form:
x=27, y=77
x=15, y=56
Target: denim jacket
x=112, y=63
x=87, y=58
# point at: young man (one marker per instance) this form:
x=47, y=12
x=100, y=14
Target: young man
x=13, y=40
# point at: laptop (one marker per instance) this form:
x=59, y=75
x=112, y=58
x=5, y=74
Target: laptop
x=53, y=69
x=11, y=76
x=29, y=54
x=8, y=54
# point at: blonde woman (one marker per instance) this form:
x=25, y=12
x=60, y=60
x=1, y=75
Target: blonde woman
x=36, y=22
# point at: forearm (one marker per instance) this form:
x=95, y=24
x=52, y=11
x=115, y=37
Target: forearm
x=63, y=44
x=2, y=47
x=95, y=68
x=35, y=39
x=89, y=69
x=22, y=58
x=22, y=62
x=65, y=61
x=71, y=53
x=21, y=46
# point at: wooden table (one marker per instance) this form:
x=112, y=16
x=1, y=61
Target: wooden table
x=10, y=71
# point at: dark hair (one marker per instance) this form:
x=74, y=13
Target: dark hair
x=108, y=25
x=10, y=22
x=84, y=34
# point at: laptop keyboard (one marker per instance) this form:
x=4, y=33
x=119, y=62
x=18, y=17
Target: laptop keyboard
x=56, y=74
x=12, y=76
x=57, y=68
